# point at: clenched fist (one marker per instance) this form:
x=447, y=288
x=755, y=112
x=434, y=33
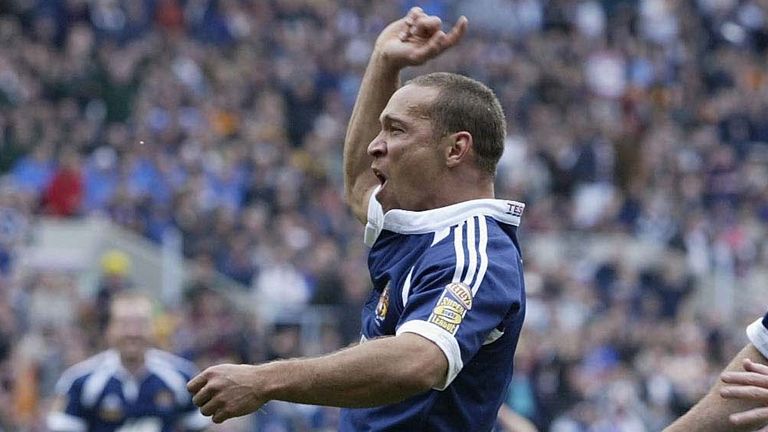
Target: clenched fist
x=226, y=391
x=416, y=38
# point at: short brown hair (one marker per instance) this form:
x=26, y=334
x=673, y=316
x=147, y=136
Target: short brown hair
x=464, y=104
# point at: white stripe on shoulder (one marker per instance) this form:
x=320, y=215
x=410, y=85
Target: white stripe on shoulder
x=439, y=235
x=458, y=244
x=61, y=422
x=482, y=245
x=79, y=370
x=472, y=248
x=407, y=287
x=185, y=366
x=94, y=385
x=171, y=376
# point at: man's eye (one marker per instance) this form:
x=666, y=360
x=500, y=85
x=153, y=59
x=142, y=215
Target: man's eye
x=396, y=130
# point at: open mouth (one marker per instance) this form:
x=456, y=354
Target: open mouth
x=379, y=175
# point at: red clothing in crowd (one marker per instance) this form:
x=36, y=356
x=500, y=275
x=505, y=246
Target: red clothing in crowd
x=64, y=193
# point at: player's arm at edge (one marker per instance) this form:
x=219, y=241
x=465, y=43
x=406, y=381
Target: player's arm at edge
x=711, y=413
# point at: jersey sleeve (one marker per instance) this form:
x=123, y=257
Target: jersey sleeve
x=460, y=299
x=375, y=222
x=190, y=418
x=757, y=332
x=176, y=372
x=67, y=413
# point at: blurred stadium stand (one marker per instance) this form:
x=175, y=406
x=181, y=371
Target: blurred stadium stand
x=86, y=245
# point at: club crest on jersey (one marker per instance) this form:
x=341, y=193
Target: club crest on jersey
x=164, y=399
x=383, y=306
x=111, y=408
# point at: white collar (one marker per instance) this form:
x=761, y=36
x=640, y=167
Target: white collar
x=412, y=222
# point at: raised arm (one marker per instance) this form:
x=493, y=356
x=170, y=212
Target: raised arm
x=409, y=41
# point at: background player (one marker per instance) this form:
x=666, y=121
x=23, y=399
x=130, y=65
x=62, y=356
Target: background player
x=130, y=387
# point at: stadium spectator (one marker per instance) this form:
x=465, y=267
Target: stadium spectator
x=114, y=279
x=64, y=193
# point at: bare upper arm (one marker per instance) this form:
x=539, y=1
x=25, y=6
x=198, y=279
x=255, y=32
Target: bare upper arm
x=431, y=362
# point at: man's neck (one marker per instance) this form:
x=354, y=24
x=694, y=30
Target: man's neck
x=460, y=189
x=133, y=366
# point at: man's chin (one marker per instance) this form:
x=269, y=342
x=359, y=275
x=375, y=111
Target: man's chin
x=133, y=353
x=383, y=199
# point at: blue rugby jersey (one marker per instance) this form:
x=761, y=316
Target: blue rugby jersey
x=99, y=395
x=758, y=335
x=454, y=276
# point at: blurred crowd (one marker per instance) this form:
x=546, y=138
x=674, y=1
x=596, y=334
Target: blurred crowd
x=225, y=119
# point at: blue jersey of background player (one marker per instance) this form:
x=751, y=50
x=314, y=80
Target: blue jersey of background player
x=130, y=387
x=454, y=276
x=448, y=302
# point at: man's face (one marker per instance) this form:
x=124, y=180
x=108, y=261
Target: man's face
x=407, y=159
x=130, y=328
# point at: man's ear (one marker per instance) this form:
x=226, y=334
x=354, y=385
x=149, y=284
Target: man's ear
x=458, y=146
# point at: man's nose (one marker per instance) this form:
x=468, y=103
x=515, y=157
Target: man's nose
x=377, y=147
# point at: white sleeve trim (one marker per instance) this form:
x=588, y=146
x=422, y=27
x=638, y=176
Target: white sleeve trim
x=758, y=335
x=444, y=340
x=61, y=422
x=375, y=222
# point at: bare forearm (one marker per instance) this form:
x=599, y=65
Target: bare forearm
x=380, y=81
x=374, y=373
x=711, y=413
